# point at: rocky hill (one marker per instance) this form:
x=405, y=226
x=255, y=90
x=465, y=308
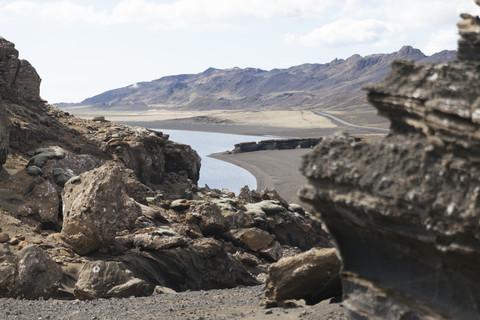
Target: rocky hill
x=332, y=85
x=404, y=210
x=93, y=209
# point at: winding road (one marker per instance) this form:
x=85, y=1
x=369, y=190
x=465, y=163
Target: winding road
x=329, y=116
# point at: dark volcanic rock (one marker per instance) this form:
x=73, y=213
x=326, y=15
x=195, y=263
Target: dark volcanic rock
x=404, y=210
x=18, y=79
x=276, y=144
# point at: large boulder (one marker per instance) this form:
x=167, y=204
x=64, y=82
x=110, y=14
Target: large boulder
x=96, y=208
x=151, y=155
x=312, y=276
x=252, y=238
x=404, y=210
x=30, y=274
x=181, y=157
x=109, y=279
x=209, y=218
x=204, y=264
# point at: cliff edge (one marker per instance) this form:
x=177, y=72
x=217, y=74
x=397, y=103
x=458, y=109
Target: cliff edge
x=404, y=210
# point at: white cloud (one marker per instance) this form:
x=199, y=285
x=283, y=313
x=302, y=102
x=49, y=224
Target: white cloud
x=446, y=38
x=346, y=32
x=179, y=12
x=65, y=11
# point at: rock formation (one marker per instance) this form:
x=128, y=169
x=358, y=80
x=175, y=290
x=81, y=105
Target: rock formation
x=119, y=209
x=312, y=276
x=100, y=279
x=29, y=274
x=404, y=210
x=18, y=79
x=95, y=208
x=276, y=144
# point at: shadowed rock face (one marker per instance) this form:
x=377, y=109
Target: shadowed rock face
x=404, y=211
x=18, y=79
x=4, y=135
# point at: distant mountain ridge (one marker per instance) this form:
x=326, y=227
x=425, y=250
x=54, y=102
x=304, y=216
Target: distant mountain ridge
x=334, y=85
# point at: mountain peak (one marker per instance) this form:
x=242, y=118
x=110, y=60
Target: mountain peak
x=409, y=52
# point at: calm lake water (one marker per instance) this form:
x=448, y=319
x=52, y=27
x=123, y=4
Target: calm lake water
x=216, y=173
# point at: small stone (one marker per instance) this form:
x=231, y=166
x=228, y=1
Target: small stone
x=34, y=171
x=180, y=205
x=4, y=237
x=21, y=245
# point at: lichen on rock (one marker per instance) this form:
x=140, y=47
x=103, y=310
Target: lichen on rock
x=96, y=208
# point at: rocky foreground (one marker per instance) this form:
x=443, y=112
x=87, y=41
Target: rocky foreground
x=95, y=210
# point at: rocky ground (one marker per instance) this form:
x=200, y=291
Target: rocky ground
x=95, y=210
x=236, y=303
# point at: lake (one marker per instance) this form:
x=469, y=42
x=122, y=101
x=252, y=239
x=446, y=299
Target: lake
x=215, y=173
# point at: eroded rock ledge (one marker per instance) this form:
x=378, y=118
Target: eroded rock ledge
x=404, y=211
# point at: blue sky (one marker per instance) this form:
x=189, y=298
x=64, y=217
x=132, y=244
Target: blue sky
x=82, y=48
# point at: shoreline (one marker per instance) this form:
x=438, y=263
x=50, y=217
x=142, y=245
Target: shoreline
x=272, y=169
x=267, y=131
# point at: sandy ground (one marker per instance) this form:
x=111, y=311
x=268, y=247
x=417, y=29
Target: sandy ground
x=284, y=119
x=273, y=123
x=277, y=169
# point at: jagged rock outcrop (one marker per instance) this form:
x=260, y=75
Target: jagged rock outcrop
x=18, y=79
x=312, y=275
x=126, y=198
x=404, y=210
x=96, y=208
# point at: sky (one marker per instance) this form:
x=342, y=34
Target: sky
x=81, y=48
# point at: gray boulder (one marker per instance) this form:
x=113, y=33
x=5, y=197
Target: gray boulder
x=62, y=175
x=312, y=276
x=42, y=155
x=209, y=218
x=30, y=274
x=109, y=279
x=34, y=171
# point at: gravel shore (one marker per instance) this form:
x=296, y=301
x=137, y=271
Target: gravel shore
x=273, y=169
x=236, y=303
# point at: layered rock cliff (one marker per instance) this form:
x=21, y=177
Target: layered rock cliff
x=404, y=211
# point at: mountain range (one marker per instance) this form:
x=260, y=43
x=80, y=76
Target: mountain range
x=331, y=86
